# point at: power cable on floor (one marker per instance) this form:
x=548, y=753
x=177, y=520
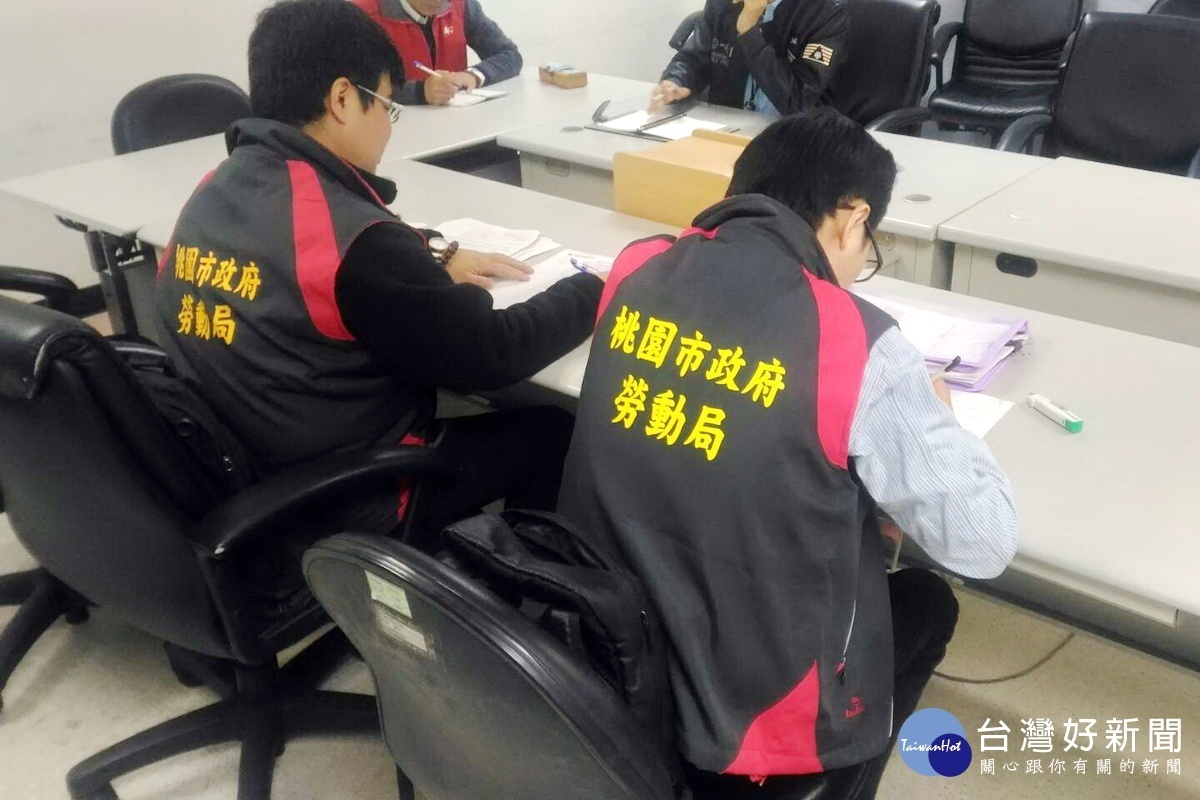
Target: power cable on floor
x=1058, y=647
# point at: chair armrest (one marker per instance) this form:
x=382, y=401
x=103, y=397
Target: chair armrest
x=56, y=289
x=1065, y=56
x=257, y=513
x=900, y=119
x=684, y=31
x=941, y=45
x=1019, y=134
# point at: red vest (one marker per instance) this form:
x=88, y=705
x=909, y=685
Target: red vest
x=449, y=35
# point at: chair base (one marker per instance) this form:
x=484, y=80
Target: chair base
x=42, y=599
x=266, y=706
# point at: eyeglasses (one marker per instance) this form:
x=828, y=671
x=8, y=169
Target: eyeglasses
x=873, y=265
x=393, y=108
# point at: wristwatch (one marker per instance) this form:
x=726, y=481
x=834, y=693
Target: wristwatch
x=442, y=250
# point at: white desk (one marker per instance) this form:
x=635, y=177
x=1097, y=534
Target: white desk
x=937, y=181
x=425, y=131
x=563, y=158
x=116, y=196
x=120, y=194
x=1110, y=245
x=1105, y=513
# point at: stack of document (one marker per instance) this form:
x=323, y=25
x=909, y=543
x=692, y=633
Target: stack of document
x=981, y=342
x=471, y=234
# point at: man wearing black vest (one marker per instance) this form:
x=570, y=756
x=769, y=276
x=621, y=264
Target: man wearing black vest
x=742, y=421
x=316, y=321
x=775, y=57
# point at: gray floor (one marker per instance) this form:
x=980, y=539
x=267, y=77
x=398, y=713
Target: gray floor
x=83, y=688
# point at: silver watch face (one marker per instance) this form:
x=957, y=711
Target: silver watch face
x=438, y=245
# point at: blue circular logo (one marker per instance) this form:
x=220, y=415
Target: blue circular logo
x=933, y=742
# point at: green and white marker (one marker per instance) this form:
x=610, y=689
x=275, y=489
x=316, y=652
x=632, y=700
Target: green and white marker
x=1048, y=408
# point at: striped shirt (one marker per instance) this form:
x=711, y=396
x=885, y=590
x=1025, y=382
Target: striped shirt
x=939, y=483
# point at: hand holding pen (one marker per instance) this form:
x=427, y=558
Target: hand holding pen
x=939, y=381
x=440, y=88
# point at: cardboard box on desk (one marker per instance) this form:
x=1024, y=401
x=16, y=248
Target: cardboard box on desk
x=562, y=76
x=674, y=181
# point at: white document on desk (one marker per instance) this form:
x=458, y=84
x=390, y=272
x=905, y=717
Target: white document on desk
x=545, y=275
x=474, y=97
x=471, y=234
x=677, y=126
x=978, y=413
x=942, y=337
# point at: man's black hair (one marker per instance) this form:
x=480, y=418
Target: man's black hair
x=300, y=47
x=813, y=163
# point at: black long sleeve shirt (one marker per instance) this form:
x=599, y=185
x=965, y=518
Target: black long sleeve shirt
x=399, y=302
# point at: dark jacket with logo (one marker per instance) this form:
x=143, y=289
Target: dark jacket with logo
x=711, y=444
x=792, y=58
x=316, y=321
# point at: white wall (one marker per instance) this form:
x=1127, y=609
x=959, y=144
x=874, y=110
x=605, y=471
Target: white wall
x=64, y=64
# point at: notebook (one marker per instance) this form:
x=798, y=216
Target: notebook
x=474, y=97
x=662, y=127
x=983, y=341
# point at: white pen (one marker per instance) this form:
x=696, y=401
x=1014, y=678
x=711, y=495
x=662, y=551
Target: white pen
x=435, y=74
x=1051, y=410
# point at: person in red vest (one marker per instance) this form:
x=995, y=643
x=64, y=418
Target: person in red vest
x=436, y=34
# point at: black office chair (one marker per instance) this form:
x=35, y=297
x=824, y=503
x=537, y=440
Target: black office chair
x=1130, y=95
x=40, y=597
x=477, y=702
x=684, y=31
x=1177, y=8
x=890, y=46
x=1006, y=65
x=176, y=108
x=104, y=496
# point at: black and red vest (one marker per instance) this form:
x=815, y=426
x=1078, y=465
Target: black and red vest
x=246, y=300
x=712, y=444
x=449, y=36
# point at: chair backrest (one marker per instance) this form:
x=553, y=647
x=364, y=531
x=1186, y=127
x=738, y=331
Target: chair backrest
x=176, y=108
x=93, y=482
x=1131, y=92
x=1177, y=8
x=888, y=67
x=1014, y=41
x=476, y=700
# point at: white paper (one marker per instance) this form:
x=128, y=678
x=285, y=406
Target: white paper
x=543, y=245
x=475, y=97
x=942, y=337
x=683, y=128
x=471, y=234
x=978, y=413
x=546, y=274
x=680, y=128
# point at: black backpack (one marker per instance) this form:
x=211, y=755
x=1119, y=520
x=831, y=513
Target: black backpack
x=585, y=596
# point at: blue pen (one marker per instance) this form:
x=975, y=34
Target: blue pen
x=582, y=267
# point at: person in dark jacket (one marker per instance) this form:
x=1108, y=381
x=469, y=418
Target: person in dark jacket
x=435, y=34
x=742, y=422
x=775, y=57
x=316, y=321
